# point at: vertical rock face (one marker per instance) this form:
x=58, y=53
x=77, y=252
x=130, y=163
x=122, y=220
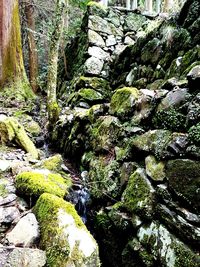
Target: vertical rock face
x=10, y=42
x=133, y=123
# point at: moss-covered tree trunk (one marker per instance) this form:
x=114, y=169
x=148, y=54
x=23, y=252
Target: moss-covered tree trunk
x=52, y=105
x=11, y=59
x=33, y=55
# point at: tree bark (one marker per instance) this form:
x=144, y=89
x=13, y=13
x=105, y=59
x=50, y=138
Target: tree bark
x=149, y=5
x=11, y=59
x=168, y=4
x=52, y=105
x=33, y=56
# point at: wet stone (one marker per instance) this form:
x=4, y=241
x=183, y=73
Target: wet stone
x=8, y=214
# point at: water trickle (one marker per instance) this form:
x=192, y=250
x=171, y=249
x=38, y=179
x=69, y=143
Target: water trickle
x=80, y=197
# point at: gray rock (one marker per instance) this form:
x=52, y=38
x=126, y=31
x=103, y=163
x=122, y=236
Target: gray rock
x=18, y=257
x=129, y=41
x=134, y=21
x=8, y=199
x=174, y=99
x=119, y=48
x=194, y=77
x=113, y=18
x=4, y=165
x=99, y=53
x=162, y=143
x=98, y=24
x=26, y=231
x=95, y=39
x=111, y=40
x=8, y=214
x=93, y=66
x=178, y=224
x=167, y=248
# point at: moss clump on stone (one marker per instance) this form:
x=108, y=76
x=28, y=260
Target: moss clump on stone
x=194, y=134
x=139, y=195
x=35, y=184
x=169, y=119
x=123, y=101
x=61, y=230
x=105, y=132
x=90, y=94
x=155, y=169
x=53, y=163
x=12, y=130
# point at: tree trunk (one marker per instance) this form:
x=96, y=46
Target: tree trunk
x=33, y=56
x=11, y=60
x=149, y=5
x=52, y=105
x=168, y=4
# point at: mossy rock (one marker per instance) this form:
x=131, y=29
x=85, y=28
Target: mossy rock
x=29, y=124
x=194, y=134
x=184, y=178
x=139, y=195
x=90, y=95
x=37, y=183
x=165, y=247
x=63, y=234
x=18, y=93
x=169, y=119
x=154, y=141
x=52, y=163
x=152, y=52
x=99, y=84
x=134, y=22
x=95, y=8
x=105, y=132
x=155, y=169
x=123, y=101
x=11, y=130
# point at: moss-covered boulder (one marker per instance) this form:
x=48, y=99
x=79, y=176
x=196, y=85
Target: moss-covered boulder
x=36, y=183
x=52, y=163
x=161, y=143
x=165, y=247
x=12, y=131
x=139, y=195
x=123, y=101
x=105, y=132
x=151, y=52
x=155, y=169
x=31, y=126
x=64, y=237
x=184, y=178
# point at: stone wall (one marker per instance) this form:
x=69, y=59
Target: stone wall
x=132, y=122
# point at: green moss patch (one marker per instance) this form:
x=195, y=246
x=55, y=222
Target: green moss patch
x=123, y=101
x=61, y=228
x=12, y=130
x=139, y=196
x=35, y=184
